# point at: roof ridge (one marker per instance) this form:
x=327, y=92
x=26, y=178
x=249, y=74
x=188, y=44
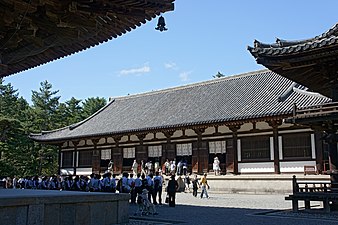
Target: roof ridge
x=329, y=32
x=197, y=84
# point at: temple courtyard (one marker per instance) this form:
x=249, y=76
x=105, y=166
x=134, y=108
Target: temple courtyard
x=235, y=209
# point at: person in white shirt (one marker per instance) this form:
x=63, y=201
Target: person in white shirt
x=134, y=168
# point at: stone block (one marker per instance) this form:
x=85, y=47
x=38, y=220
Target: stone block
x=52, y=214
x=35, y=214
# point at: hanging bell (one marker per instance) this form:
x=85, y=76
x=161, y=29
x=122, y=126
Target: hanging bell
x=161, y=24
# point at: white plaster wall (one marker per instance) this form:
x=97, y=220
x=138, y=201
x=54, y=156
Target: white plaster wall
x=135, y=138
x=101, y=141
x=124, y=139
x=82, y=142
x=263, y=167
x=209, y=130
x=224, y=129
x=245, y=127
x=160, y=135
x=67, y=171
x=262, y=125
x=190, y=132
x=83, y=171
x=177, y=133
x=295, y=166
x=110, y=140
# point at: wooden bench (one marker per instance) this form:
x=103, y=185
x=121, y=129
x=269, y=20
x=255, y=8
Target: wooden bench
x=308, y=191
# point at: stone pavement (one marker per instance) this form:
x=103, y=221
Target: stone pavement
x=234, y=209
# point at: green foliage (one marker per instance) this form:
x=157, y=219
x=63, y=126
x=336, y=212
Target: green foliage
x=92, y=105
x=19, y=155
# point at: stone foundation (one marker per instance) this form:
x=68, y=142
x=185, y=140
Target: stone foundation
x=39, y=207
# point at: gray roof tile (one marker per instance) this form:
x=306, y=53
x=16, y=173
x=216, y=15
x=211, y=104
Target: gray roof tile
x=246, y=96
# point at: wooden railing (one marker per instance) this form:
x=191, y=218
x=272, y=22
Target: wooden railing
x=308, y=191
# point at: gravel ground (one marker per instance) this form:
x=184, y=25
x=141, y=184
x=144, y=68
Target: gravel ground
x=234, y=209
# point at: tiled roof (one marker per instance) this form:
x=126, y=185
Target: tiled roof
x=247, y=96
x=283, y=47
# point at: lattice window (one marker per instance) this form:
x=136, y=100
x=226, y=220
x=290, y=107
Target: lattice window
x=216, y=147
x=155, y=151
x=85, y=158
x=184, y=149
x=67, y=159
x=129, y=153
x=255, y=148
x=106, y=154
x=296, y=145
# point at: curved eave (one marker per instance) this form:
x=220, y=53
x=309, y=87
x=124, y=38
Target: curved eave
x=229, y=121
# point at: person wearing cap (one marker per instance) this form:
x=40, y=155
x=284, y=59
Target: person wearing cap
x=204, y=184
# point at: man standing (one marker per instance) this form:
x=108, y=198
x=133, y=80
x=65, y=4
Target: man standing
x=204, y=184
x=171, y=189
x=158, y=187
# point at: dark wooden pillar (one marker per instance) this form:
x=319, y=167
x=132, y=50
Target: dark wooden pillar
x=141, y=151
x=117, y=155
x=75, y=159
x=319, y=151
x=59, y=159
x=332, y=139
x=274, y=124
x=170, y=150
x=96, y=158
x=234, y=129
x=202, y=152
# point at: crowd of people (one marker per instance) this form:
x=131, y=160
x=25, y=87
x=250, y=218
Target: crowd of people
x=145, y=184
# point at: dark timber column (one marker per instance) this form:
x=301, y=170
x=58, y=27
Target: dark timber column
x=117, y=155
x=59, y=160
x=319, y=152
x=75, y=143
x=141, y=152
x=170, y=147
x=274, y=124
x=234, y=129
x=203, y=154
x=96, y=157
x=332, y=144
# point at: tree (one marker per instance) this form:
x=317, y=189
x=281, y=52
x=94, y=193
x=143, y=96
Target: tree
x=74, y=110
x=14, y=142
x=45, y=116
x=45, y=105
x=92, y=105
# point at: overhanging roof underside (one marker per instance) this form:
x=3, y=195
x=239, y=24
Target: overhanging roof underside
x=311, y=62
x=34, y=32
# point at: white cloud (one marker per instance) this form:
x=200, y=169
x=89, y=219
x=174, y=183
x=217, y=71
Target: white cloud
x=170, y=65
x=184, y=76
x=135, y=71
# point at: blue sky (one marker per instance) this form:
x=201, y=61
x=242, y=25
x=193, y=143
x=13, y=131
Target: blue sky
x=204, y=37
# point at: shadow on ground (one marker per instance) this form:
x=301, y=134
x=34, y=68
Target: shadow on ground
x=188, y=214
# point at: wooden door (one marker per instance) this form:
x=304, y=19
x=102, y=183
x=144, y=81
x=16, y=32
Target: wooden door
x=229, y=158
